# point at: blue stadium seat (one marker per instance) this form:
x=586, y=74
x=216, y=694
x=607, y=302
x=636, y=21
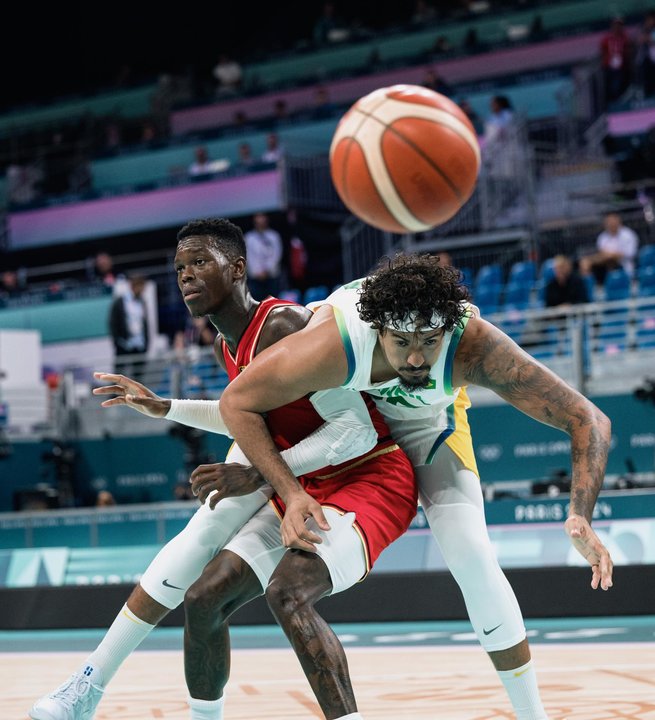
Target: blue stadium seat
x=646, y=256
x=546, y=270
x=517, y=295
x=291, y=294
x=617, y=285
x=487, y=298
x=467, y=276
x=646, y=281
x=491, y=274
x=524, y=272
x=318, y=292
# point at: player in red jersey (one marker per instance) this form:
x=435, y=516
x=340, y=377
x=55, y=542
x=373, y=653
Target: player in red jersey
x=326, y=429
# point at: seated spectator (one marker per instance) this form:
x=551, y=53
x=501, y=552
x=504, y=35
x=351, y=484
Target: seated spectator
x=10, y=285
x=203, y=165
x=105, y=499
x=423, y=13
x=329, y=27
x=274, y=150
x=245, y=160
x=280, y=109
x=472, y=115
x=24, y=184
x=434, y=81
x=566, y=287
x=228, y=75
x=323, y=106
x=616, y=247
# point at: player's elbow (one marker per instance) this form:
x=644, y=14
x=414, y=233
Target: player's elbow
x=352, y=444
x=603, y=423
x=229, y=405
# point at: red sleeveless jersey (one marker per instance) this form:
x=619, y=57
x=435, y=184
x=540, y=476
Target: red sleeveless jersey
x=378, y=487
x=295, y=421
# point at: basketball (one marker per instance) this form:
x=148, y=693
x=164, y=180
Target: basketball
x=404, y=159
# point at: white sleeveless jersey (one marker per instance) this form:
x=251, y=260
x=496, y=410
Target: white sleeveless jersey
x=420, y=420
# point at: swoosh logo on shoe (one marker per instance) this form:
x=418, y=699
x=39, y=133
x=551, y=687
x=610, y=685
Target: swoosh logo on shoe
x=486, y=632
x=165, y=583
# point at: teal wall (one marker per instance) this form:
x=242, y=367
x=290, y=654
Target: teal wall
x=61, y=320
x=511, y=446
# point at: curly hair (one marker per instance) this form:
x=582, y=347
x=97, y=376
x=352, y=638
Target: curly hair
x=412, y=285
x=225, y=236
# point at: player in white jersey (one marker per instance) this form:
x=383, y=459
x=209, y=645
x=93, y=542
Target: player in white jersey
x=409, y=337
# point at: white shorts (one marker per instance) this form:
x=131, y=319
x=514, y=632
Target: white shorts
x=259, y=543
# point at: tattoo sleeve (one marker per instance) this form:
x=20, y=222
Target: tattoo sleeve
x=491, y=359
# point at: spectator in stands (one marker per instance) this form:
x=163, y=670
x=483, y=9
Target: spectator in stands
x=105, y=499
x=329, y=27
x=80, y=177
x=645, y=59
x=280, y=109
x=433, y=80
x=323, y=106
x=500, y=141
x=228, y=75
x=24, y=184
x=264, y=250
x=198, y=332
x=100, y=269
x=616, y=247
x=616, y=60
x=10, y=286
x=423, y=13
x=240, y=118
x=445, y=259
x=245, y=159
x=472, y=115
x=566, y=287
x=203, y=165
x=128, y=327
x=441, y=45
x=57, y=166
x=274, y=150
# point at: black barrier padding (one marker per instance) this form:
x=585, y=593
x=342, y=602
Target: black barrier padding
x=382, y=597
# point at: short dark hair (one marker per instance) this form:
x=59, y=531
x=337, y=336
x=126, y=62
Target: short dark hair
x=408, y=284
x=225, y=236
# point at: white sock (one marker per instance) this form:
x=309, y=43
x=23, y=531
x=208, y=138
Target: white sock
x=125, y=634
x=352, y=716
x=206, y=709
x=521, y=686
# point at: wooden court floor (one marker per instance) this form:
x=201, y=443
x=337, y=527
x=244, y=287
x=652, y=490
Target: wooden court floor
x=579, y=681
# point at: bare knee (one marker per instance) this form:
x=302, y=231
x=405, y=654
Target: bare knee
x=209, y=596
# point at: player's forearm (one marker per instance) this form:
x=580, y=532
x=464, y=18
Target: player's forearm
x=590, y=443
x=250, y=432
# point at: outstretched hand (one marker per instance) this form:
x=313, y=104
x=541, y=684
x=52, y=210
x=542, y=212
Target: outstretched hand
x=588, y=544
x=131, y=393
x=295, y=533
x=221, y=480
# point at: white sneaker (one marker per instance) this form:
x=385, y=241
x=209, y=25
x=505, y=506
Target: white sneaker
x=76, y=699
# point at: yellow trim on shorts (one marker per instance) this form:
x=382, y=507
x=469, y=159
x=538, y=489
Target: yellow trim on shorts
x=357, y=463
x=460, y=440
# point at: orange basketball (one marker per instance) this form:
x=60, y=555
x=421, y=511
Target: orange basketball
x=404, y=158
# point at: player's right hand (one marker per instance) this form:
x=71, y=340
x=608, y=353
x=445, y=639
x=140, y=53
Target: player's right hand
x=294, y=531
x=220, y=480
x=131, y=393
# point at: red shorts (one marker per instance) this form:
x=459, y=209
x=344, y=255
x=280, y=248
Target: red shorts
x=379, y=488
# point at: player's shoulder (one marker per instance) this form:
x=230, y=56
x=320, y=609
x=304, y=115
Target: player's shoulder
x=282, y=321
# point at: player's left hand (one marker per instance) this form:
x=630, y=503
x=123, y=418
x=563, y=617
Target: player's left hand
x=588, y=544
x=294, y=530
x=221, y=480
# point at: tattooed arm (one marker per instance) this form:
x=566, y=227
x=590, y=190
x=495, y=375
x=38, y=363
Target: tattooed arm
x=489, y=358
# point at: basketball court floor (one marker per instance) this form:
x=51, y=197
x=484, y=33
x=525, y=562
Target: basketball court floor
x=589, y=669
